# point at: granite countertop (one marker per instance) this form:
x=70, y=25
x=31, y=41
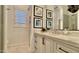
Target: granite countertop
x=71, y=40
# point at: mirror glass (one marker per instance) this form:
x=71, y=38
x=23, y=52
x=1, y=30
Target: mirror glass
x=69, y=19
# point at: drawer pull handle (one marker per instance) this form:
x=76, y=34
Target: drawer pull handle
x=63, y=50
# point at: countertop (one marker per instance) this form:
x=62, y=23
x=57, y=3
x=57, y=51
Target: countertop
x=71, y=40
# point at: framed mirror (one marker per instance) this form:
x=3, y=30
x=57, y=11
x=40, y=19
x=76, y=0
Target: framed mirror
x=70, y=20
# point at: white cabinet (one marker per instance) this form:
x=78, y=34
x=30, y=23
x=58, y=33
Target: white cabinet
x=46, y=44
x=42, y=44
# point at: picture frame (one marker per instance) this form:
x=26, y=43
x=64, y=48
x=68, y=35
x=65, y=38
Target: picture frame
x=49, y=13
x=38, y=22
x=49, y=23
x=38, y=11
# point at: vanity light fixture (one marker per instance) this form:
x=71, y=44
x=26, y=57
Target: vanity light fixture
x=73, y=8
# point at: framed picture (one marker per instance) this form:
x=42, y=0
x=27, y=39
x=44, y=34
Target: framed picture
x=38, y=22
x=38, y=11
x=49, y=13
x=49, y=23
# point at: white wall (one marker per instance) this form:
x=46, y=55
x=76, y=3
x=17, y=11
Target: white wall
x=61, y=17
x=50, y=7
x=58, y=17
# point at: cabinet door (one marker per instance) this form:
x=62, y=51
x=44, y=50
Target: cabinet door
x=65, y=48
x=36, y=49
x=39, y=47
x=52, y=46
x=43, y=44
x=47, y=45
x=36, y=44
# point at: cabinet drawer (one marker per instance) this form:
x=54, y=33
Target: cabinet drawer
x=63, y=48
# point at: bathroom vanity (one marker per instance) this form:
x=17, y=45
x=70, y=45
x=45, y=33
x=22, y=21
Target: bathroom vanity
x=55, y=43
